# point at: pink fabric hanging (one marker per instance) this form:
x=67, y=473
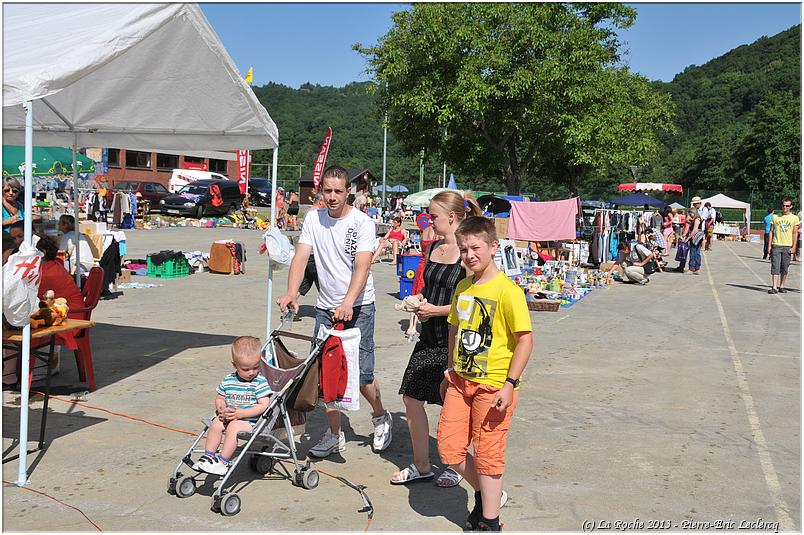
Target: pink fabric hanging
x=543, y=221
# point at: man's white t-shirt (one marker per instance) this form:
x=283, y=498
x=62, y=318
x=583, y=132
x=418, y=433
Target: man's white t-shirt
x=335, y=243
x=67, y=244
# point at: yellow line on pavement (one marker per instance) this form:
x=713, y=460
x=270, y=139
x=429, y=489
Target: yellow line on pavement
x=765, y=461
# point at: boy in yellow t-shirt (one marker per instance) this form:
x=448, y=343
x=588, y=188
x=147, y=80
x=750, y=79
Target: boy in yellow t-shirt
x=489, y=345
x=783, y=242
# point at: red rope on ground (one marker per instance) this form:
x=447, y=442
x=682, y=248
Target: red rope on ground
x=136, y=419
x=59, y=501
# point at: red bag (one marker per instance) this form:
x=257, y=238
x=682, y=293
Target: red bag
x=334, y=371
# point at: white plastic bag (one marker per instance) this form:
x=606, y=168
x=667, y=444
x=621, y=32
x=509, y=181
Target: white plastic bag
x=21, y=284
x=350, y=339
x=280, y=250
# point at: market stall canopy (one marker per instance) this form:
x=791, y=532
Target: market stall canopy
x=126, y=75
x=651, y=186
x=639, y=199
x=398, y=188
x=677, y=206
x=422, y=198
x=46, y=161
x=724, y=201
x=494, y=204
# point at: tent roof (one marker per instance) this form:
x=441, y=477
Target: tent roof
x=136, y=75
x=638, y=199
x=724, y=201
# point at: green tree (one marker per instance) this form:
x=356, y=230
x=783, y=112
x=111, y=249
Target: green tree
x=768, y=157
x=518, y=88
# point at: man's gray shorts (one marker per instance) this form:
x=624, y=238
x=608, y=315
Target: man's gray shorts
x=780, y=259
x=363, y=319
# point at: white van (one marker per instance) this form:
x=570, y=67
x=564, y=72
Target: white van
x=182, y=177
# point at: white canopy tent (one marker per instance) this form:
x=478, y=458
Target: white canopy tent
x=122, y=75
x=724, y=201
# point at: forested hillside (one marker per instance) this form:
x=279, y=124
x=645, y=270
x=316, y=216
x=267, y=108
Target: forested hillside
x=737, y=118
x=303, y=115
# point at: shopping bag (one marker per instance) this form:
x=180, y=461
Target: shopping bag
x=21, y=284
x=280, y=250
x=681, y=251
x=350, y=340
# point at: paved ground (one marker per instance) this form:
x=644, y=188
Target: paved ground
x=673, y=402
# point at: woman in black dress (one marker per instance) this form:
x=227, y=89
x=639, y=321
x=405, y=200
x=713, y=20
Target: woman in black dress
x=425, y=371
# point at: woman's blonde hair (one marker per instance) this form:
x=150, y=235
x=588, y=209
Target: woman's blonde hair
x=463, y=205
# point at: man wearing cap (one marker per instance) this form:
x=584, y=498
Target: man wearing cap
x=784, y=232
x=693, y=235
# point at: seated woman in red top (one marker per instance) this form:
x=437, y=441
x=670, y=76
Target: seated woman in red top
x=56, y=278
x=396, y=238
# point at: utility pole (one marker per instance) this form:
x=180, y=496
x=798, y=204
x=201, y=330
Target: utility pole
x=421, y=170
x=384, y=154
x=444, y=175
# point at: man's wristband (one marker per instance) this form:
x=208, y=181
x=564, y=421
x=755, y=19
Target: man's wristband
x=514, y=382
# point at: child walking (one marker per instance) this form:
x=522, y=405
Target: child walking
x=242, y=398
x=490, y=342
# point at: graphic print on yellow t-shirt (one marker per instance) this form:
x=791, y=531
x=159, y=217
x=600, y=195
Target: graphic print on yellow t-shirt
x=487, y=316
x=783, y=229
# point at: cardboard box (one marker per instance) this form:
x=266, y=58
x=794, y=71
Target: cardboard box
x=125, y=276
x=92, y=227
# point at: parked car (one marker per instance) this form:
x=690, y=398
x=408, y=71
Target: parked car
x=180, y=177
x=153, y=192
x=259, y=190
x=196, y=199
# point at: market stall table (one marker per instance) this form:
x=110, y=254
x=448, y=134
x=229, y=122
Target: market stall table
x=12, y=342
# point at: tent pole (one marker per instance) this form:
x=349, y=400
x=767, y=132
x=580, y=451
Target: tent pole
x=270, y=305
x=75, y=212
x=25, y=388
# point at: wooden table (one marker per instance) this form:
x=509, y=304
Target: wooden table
x=12, y=341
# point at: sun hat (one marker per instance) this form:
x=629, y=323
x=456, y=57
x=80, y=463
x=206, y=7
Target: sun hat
x=696, y=199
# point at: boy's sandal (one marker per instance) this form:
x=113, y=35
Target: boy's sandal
x=448, y=478
x=782, y=291
x=411, y=474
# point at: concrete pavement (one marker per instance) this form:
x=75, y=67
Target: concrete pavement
x=678, y=401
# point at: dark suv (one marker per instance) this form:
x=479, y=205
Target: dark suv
x=260, y=191
x=148, y=191
x=195, y=199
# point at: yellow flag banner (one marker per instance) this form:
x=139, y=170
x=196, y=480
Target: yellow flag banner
x=250, y=75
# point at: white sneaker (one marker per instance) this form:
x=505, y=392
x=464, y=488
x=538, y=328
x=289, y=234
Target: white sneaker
x=329, y=443
x=382, y=431
x=211, y=465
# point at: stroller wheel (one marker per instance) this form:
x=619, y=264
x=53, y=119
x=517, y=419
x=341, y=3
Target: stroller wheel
x=310, y=479
x=185, y=487
x=261, y=464
x=230, y=504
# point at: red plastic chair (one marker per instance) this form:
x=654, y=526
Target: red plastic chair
x=83, y=355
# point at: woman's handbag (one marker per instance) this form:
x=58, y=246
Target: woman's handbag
x=681, y=251
x=698, y=238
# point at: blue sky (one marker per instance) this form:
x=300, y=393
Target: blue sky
x=297, y=43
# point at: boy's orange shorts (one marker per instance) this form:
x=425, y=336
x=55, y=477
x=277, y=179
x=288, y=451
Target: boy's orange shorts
x=468, y=418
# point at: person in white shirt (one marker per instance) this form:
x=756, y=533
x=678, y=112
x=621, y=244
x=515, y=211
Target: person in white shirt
x=67, y=244
x=342, y=240
x=708, y=215
x=637, y=262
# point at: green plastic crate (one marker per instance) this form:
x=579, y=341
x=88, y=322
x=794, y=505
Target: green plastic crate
x=169, y=269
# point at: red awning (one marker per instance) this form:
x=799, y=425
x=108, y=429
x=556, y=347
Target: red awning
x=651, y=186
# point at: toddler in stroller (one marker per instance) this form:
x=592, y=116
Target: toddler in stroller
x=242, y=396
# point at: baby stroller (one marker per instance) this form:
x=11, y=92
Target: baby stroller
x=285, y=384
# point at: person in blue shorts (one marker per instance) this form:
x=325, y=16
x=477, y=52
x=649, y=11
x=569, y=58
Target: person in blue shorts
x=242, y=396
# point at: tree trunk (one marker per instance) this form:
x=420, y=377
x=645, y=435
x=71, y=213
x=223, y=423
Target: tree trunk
x=512, y=180
x=575, y=177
